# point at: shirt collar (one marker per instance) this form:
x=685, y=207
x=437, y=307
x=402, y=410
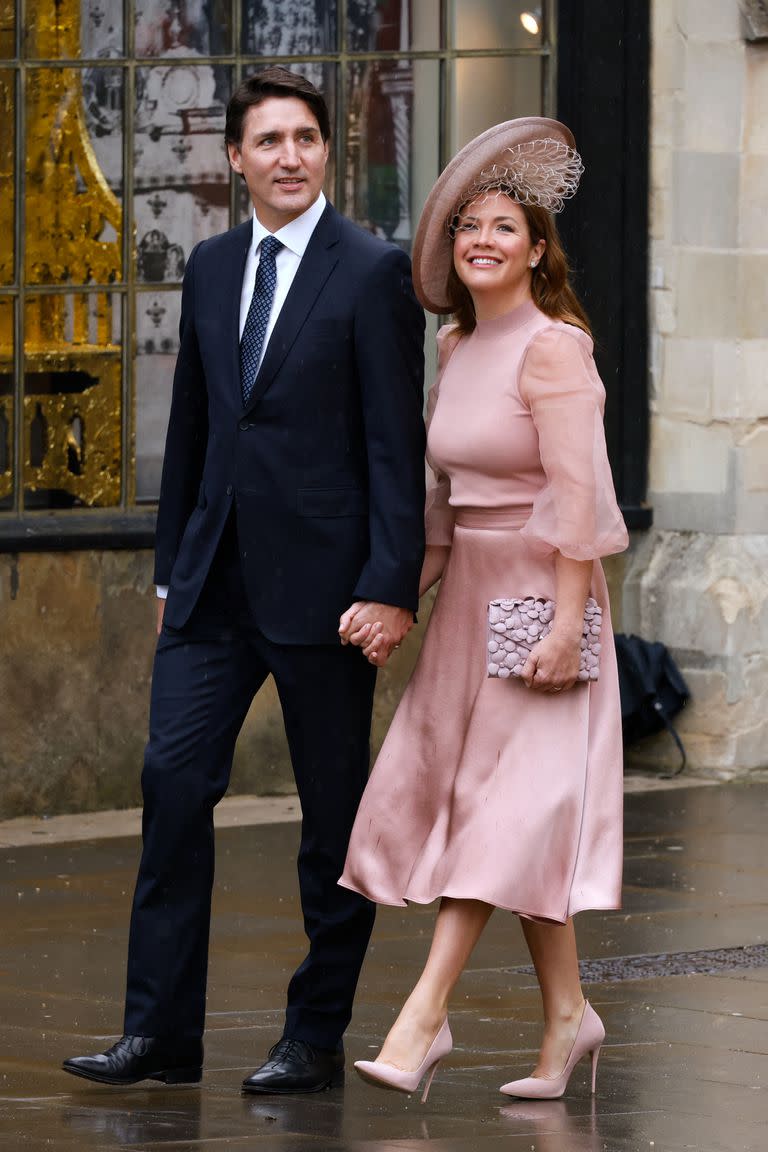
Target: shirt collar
x=298, y=233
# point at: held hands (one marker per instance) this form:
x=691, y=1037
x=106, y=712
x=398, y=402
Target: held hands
x=376, y=628
x=553, y=665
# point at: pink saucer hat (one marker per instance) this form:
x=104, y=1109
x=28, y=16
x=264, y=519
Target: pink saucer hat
x=533, y=157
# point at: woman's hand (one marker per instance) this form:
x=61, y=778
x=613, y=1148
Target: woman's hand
x=553, y=665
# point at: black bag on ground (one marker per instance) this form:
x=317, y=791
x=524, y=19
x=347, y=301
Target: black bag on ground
x=652, y=690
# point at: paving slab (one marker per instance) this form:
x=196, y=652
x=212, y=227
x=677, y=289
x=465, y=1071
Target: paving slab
x=680, y=976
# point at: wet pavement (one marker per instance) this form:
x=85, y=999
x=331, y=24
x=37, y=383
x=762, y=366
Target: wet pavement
x=685, y=1064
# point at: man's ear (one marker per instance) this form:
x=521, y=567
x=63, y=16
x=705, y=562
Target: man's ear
x=235, y=163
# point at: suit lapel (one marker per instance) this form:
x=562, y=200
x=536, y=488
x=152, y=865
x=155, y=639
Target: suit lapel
x=316, y=265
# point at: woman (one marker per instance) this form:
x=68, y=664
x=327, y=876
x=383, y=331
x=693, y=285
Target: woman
x=490, y=792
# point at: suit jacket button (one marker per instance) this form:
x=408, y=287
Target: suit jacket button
x=229, y=489
x=243, y=425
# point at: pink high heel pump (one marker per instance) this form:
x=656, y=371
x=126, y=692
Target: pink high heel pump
x=387, y=1076
x=589, y=1039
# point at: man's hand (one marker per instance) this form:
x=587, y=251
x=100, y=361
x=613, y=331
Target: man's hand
x=160, y=610
x=376, y=628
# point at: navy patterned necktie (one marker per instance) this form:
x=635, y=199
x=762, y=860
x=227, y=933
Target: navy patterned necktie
x=257, y=319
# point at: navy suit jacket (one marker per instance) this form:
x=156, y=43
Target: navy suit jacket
x=325, y=466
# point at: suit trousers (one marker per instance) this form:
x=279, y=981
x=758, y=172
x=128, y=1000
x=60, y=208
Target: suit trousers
x=205, y=677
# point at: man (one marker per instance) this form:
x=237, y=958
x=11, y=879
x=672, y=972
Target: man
x=292, y=493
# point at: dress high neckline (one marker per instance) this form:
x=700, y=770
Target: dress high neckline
x=508, y=321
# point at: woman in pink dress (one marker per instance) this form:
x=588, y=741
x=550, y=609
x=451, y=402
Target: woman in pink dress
x=494, y=792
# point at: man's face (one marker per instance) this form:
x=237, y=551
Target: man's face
x=282, y=157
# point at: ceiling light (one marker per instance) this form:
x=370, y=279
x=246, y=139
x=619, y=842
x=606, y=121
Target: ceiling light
x=531, y=21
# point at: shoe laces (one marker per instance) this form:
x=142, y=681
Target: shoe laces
x=287, y=1047
x=135, y=1045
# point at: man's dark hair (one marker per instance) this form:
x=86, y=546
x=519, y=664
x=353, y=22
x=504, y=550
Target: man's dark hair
x=273, y=81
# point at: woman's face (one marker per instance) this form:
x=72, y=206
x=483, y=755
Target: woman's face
x=492, y=249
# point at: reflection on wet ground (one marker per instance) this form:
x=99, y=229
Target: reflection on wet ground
x=685, y=1065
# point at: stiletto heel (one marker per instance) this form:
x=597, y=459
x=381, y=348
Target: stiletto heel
x=385, y=1075
x=428, y=1082
x=588, y=1042
x=595, y=1054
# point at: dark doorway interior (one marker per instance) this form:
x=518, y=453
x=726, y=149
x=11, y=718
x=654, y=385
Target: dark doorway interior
x=603, y=54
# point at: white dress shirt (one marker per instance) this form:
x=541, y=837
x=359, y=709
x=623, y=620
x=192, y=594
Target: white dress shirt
x=294, y=237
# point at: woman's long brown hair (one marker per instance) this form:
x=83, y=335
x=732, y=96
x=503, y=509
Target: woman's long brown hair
x=550, y=289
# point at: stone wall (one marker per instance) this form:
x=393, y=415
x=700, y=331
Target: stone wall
x=77, y=646
x=699, y=580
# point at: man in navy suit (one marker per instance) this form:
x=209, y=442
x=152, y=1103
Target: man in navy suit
x=292, y=496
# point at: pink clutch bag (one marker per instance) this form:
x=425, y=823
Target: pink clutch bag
x=515, y=625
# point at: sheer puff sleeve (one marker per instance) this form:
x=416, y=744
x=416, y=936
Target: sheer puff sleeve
x=438, y=515
x=575, y=513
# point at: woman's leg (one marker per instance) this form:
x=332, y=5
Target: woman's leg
x=554, y=955
x=457, y=929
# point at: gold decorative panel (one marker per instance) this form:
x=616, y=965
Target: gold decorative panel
x=7, y=29
x=52, y=29
x=73, y=220
x=6, y=446
x=6, y=396
x=7, y=265
x=72, y=406
x=73, y=229
x=7, y=181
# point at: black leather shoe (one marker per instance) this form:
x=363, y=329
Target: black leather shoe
x=135, y=1058
x=294, y=1066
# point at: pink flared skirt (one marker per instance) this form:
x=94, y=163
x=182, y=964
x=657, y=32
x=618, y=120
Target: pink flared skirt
x=485, y=789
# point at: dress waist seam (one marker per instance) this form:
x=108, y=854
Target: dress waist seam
x=493, y=517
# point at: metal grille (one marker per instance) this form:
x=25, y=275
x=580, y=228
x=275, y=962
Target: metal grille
x=703, y=962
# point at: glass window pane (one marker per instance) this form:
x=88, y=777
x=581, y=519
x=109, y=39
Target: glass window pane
x=183, y=27
x=103, y=103
x=72, y=400
x=490, y=24
x=7, y=175
x=101, y=28
x=288, y=27
x=181, y=174
x=157, y=344
x=392, y=140
x=7, y=29
x=71, y=29
x=393, y=25
x=6, y=401
x=80, y=243
x=491, y=89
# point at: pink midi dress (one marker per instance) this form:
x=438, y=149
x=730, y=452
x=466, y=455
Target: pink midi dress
x=483, y=788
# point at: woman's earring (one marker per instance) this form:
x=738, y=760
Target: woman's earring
x=534, y=263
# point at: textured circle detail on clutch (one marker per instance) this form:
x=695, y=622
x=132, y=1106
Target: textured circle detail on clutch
x=516, y=624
